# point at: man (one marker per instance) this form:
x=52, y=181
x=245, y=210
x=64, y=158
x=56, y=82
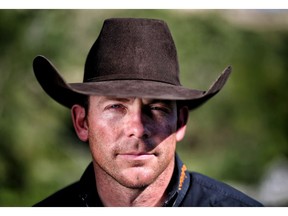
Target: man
x=132, y=110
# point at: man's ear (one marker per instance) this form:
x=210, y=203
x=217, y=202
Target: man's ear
x=80, y=122
x=183, y=114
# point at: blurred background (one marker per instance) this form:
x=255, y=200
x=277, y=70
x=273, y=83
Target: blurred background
x=239, y=137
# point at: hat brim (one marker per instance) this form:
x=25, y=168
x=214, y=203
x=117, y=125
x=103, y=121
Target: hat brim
x=70, y=94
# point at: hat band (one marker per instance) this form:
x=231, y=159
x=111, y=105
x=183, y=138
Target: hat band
x=129, y=77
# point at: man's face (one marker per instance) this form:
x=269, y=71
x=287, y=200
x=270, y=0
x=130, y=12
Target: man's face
x=132, y=140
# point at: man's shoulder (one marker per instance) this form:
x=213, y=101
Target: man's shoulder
x=206, y=191
x=66, y=197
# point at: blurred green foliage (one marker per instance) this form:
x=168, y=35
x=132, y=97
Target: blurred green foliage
x=232, y=138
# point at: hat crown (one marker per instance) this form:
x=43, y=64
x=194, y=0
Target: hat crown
x=133, y=49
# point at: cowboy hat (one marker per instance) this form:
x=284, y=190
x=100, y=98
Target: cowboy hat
x=131, y=57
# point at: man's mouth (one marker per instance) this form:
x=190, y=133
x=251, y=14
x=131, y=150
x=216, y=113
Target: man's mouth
x=136, y=155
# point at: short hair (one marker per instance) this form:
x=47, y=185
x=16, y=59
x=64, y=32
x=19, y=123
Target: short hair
x=85, y=104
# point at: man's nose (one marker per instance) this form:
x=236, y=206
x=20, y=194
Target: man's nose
x=137, y=125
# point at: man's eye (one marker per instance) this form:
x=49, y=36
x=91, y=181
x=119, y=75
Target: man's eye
x=160, y=108
x=115, y=107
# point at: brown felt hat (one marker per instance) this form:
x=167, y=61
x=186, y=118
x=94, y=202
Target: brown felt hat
x=130, y=58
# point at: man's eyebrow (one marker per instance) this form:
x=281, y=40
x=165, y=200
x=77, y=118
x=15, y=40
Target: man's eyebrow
x=104, y=99
x=161, y=101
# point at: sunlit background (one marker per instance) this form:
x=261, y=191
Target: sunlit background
x=239, y=137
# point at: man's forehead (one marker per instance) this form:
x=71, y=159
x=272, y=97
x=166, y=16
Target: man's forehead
x=102, y=99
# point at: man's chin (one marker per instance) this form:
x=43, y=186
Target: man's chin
x=137, y=179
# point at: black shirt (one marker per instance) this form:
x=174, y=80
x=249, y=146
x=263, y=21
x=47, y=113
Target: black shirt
x=186, y=189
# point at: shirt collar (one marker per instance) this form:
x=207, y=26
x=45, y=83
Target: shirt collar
x=179, y=184
x=88, y=191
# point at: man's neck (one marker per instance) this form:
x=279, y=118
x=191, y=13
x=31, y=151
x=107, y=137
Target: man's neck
x=113, y=194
